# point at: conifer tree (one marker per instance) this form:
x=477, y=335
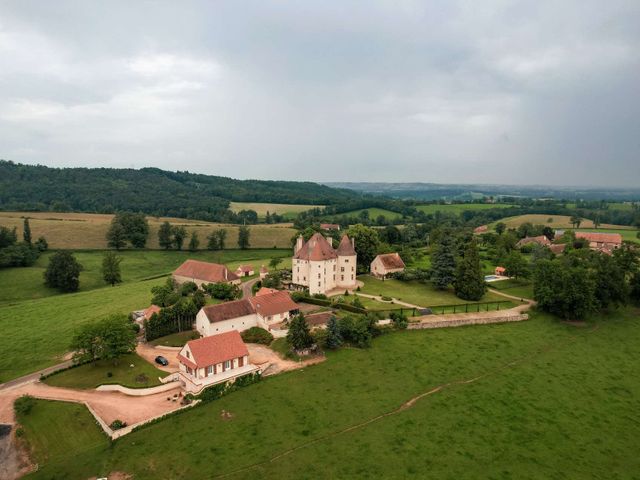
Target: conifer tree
x=164, y=236
x=26, y=235
x=299, y=336
x=334, y=339
x=469, y=283
x=443, y=263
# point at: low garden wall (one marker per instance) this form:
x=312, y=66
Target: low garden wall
x=139, y=392
x=441, y=321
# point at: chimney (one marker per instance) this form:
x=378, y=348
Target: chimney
x=299, y=242
x=353, y=243
x=225, y=273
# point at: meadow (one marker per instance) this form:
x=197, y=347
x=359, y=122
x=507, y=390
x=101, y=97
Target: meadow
x=373, y=213
x=556, y=221
x=88, y=230
x=537, y=399
x=287, y=210
x=38, y=323
x=417, y=293
x=457, y=208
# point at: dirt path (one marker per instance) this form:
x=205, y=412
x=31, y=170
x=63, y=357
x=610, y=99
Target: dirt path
x=247, y=287
x=520, y=308
x=392, y=302
x=272, y=363
x=150, y=352
x=406, y=405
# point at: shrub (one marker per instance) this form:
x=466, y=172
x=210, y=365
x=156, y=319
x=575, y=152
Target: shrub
x=109, y=374
x=386, y=299
x=187, y=288
x=23, y=405
x=142, y=378
x=399, y=320
x=257, y=335
x=321, y=296
x=117, y=424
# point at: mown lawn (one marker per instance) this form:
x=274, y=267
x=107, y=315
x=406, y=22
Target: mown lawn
x=56, y=430
x=27, y=282
x=176, y=339
x=518, y=288
x=549, y=400
x=92, y=375
x=421, y=294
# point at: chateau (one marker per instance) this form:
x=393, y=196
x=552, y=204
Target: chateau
x=321, y=268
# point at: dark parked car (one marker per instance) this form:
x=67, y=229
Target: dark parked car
x=162, y=361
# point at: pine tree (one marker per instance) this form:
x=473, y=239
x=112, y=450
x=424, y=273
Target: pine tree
x=243, y=237
x=299, y=336
x=443, y=263
x=334, y=339
x=469, y=283
x=26, y=235
x=222, y=236
x=194, y=242
x=164, y=236
x=111, y=268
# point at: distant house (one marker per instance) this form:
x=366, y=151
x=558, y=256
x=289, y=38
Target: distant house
x=606, y=242
x=500, y=271
x=540, y=240
x=481, y=229
x=245, y=270
x=150, y=311
x=330, y=226
x=215, y=359
x=386, y=264
x=267, y=308
x=263, y=272
x=557, y=248
x=204, y=272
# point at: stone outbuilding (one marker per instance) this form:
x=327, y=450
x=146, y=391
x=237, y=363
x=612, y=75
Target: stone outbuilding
x=386, y=264
x=204, y=272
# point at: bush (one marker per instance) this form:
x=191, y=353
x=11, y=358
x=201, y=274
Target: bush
x=24, y=405
x=321, y=296
x=386, y=299
x=187, y=288
x=399, y=320
x=117, y=424
x=257, y=335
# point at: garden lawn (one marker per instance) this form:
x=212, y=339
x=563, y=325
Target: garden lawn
x=27, y=283
x=544, y=400
x=176, y=339
x=417, y=293
x=92, y=375
x=518, y=288
x=55, y=430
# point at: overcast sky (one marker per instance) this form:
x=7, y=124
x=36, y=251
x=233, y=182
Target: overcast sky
x=442, y=91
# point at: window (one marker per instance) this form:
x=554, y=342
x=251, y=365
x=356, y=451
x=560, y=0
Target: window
x=352, y=269
x=318, y=275
x=227, y=365
x=188, y=356
x=318, y=283
x=346, y=260
x=342, y=269
x=210, y=370
x=341, y=277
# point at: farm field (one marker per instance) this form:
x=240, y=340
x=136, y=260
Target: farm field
x=557, y=221
x=416, y=293
x=92, y=375
x=373, y=213
x=457, y=208
x=289, y=211
x=23, y=283
x=543, y=400
x=88, y=230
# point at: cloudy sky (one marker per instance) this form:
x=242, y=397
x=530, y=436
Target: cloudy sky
x=436, y=91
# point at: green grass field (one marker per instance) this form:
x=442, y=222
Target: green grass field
x=555, y=221
x=57, y=430
x=542, y=399
x=176, y=339
x=417, y=293
x=373, y=213
x=95, y=374
x=287, y=210
x=25, y=283
x=34, y=315
x=518, y=288
x=457, y=208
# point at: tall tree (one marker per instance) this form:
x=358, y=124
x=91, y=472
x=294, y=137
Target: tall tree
x=194, y=242
x=274, y=262
x=500, y=228
x=517, y=265
x=443, y=262
x=106, y=339
x=111, y=268
x=164, y=236
x=222, y=237
x=26, y=232
x=116, y=236
x=63, y=272
x=179, y=234
x=333, y=339
x=212, y=241
x=299, y=336
x=366, y=242
x=469, y=283
x=243, y=237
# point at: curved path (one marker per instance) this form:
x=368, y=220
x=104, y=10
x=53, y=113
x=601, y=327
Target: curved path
x=247, y=287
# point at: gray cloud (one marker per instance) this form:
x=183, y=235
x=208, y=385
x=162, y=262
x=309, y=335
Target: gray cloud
x=441, y=91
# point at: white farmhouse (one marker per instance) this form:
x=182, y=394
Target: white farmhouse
x=321, y=268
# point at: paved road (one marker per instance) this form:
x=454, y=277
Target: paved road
x=35, y=376
x=247, y=286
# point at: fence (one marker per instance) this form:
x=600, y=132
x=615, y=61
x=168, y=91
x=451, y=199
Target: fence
x=471, y=307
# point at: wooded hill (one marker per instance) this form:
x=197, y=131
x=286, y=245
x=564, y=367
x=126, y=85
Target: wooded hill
x=149, y=190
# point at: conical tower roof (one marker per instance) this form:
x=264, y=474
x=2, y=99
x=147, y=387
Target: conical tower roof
x=345, y=249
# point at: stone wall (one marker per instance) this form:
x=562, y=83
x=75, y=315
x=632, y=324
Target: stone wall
x=459, y=322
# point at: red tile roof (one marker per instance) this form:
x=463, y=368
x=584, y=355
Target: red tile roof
x=557, y=248
x=151, y=310
x=480, y=229
x=317, y=248
x=346, y=247
x=228, y=310
x=263, y=269
x=329, y=226
x=615, y=238
x=265, y=290
x=214, y=349
x=245, y=268
x=391, y=260
x=204, y=271
x=540, y=240
x=272, y=303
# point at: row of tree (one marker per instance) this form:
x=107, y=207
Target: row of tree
x=20, y=254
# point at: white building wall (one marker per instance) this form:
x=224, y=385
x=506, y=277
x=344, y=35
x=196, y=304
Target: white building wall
x=346, y=274
x=206, y=328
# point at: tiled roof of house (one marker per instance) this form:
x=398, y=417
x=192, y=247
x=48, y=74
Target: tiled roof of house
x=245, y=268
x=557, y=248
x=272, y=303
x=205, y=271
x=600, y=237
x=214, y=349
x=540, y=240
x=151, y=310
x=329, y=226
x=480, y=229
x=265, y=291
x=263, y=269
x=391, y=260
x=317, y=248
x=346, y=247
x=228, y=310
